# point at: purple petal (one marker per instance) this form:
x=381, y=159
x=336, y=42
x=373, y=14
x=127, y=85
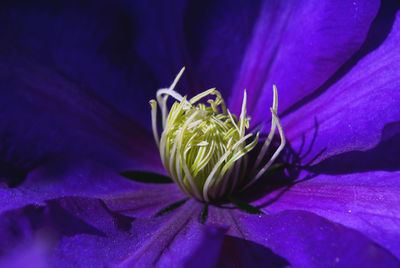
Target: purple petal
x=298, y=47
x=88, y=43
x=305, y=239
x=146, y=201
x=367, y=202
x=33, y=253
x=84, y=228
x=167, y=241
x=209, y=38
x=88, y=234
x=68, y=219
x=77, y=177
x=237, y=252
x=216, y=35
x=181, y=240
x=69, y=88
x=352, y=113
x=159, y=39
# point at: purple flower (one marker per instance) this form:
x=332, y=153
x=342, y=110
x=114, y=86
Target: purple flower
x=76, y=79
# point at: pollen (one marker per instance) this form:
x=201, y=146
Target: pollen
x=204, y=147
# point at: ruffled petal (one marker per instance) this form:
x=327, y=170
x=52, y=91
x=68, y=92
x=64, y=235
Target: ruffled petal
x=304, y=239
x=83, y=178
x=367, y=202
x=83, y=232
x=298, y=46
x=352, y=114
x=87, y=222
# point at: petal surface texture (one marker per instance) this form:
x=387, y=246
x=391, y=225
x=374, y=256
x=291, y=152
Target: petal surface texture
x=362, y=201
x=304, y=239
x=352, y=113
x=83, y=232
x=298, y=46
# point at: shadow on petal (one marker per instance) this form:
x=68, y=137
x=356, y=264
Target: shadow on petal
x=379, y=30
x=238, y=252
x=285, y=173
x=384, y=156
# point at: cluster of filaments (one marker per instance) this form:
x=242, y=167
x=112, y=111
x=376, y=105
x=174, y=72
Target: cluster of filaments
x=204, y=147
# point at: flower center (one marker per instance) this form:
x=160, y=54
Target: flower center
x=204, y=147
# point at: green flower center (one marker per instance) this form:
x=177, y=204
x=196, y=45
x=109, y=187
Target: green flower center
x=203, y=146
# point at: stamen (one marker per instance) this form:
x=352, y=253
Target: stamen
x=243, y=114
x=203, y=146
x=154, y=121
x=271, y=133
x=188, y=176
x=219, y=163
x=163, y=102
x=172, y=93
x=275, y=155
x=201, y=95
